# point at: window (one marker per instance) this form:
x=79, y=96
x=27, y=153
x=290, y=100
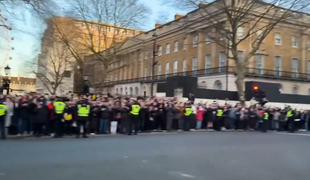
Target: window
x=308, y=69
x=207, y=63
x=159, y=69
x=140, y=55
x=218, y=85
x=160, y=50
x=176, y=46
x=294, y=67
x=167, y=69
x=222, y=61
x=194, y=64
x=208, y=40
x=240, y=32
x=195, y=41
x=175, y=67
x=259, y=64
x=240, y=56
x=295, y=90
x=146, y=54
x=278, y=39
x=278, y=65
x=184, y=67
x=167, y=48
x=294, y=42
x=145, y=72
x=67, y=74
x=184, y=44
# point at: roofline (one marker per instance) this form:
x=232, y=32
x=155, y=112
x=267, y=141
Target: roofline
x=92, y=22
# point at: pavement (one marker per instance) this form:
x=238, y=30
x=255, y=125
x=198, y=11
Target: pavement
x=196, y=156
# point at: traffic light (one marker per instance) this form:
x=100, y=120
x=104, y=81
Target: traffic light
x=259, y=95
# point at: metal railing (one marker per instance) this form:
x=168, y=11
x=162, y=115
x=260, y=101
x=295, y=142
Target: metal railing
x=249, y=72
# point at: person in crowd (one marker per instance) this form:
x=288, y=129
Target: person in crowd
x=134, y=110
x=59, y=108
x=83, y=111
x=40, y=118
x=3, y=129
x=103, y=114
x=9, y=112
x=200, y=112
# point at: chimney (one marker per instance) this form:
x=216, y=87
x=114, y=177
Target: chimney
x=202, y=5
x=157, y=25
x=177, y=16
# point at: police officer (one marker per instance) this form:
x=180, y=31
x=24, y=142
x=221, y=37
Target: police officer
x=2, y=119
x=83, y=110
x=219, y=119
x=188, y=116
x=265, y=122
x=290, y=120
x=134, y=117
x=59, y=107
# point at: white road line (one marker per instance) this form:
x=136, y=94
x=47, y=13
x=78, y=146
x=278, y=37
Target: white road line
x=125, y=157
x=293, y=134
x=145, y=161
x=2, y=174
x=187, y=175
x=181, y=174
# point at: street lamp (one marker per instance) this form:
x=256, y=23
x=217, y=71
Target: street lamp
x=6, y=81
x=153, y=62
x=86, y=86
x=7, y=70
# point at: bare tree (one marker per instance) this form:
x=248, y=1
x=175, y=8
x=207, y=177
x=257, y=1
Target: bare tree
x=52, y=72
x=98, y=25
x=38, y=8
x=229, y=23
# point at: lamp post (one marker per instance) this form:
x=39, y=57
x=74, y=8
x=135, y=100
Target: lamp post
x=86, y=86
x=153, y=62
x=7, y=70
x=6, y=82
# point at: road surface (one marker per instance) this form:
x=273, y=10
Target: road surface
x=196, y=156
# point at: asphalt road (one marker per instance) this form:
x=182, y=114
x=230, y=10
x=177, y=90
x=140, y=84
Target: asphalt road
x=197, y=156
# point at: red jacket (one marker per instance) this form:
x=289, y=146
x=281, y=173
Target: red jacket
x=200, y=114
x=50, y=107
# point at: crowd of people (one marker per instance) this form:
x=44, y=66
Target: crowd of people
x=43, y=115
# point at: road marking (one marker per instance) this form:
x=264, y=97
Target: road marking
x=181, y=174
x=187, y=175
x=125, y=157
x=145, y=161
x=2, y=174
x=293, y=134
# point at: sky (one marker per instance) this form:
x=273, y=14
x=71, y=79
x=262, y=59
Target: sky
x=26, y=40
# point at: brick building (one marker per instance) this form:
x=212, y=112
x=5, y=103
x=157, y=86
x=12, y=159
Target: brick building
x=284, y=57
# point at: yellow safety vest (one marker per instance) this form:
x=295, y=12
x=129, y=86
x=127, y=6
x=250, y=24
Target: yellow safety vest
x=289, y=113
x=135, y=109
x=2, y=109
x=266, y=116
x=59, y=107
x=219, y=113
x=188, y=111
x=83, y=111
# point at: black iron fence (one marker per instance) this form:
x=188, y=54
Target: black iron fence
x=249, y=72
